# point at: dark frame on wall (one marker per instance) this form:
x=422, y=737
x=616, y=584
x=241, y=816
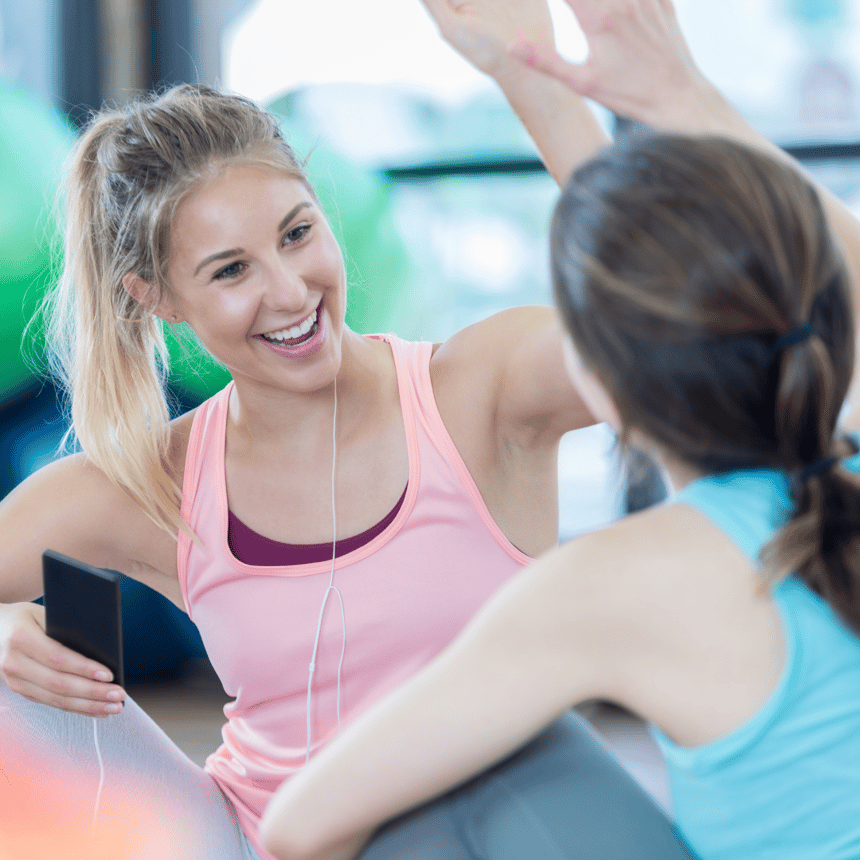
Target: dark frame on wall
x=160, y=47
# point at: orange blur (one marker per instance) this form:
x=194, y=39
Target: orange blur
x=46, y=814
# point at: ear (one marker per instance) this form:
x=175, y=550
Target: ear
x=144, y=293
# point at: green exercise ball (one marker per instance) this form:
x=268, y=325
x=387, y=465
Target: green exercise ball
x=34, y=141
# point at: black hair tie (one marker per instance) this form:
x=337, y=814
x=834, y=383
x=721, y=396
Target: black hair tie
x=790, y=338
x=816, y=467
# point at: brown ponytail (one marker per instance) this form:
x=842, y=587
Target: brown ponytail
x=820, y=540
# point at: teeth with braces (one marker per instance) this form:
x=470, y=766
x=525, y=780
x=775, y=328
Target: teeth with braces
x=295, y=331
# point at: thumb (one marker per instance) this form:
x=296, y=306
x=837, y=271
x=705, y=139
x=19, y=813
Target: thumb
x=37, y=612
x=545, y=59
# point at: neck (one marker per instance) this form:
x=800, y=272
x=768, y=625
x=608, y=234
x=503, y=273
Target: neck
x=268, y=415
x=676, y=473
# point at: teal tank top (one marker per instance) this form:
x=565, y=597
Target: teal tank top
x=786, y=784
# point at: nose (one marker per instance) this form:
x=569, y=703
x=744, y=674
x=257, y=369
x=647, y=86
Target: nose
x=286, y=289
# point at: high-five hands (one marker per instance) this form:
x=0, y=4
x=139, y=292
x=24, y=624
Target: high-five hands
x=638, y=63
x=482, y=31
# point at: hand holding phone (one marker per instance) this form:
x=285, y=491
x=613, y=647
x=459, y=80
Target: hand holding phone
x=44, y=671
x=83, y=610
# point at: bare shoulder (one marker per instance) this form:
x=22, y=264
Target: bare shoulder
x=488, y=343
x=577, y=612
x=466, y=371
x=663, y=562
x=627, y=595
x=71, y=506
x=612, y=570
x=513, y=361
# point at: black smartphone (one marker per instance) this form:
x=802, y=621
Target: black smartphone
x=83, y=609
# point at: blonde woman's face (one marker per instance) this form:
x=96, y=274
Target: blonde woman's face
x=257, y=273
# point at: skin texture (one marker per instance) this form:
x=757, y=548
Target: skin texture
x=630, y=613
x=496, y=383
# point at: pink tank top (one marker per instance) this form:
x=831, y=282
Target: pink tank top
x=406, y=594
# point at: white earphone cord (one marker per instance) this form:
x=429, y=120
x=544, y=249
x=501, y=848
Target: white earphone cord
x=101, y=770
x=329, y=589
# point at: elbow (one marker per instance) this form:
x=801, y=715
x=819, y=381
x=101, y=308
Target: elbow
x=286, y=841
x=278, y=845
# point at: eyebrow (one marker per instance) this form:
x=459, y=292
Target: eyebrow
x=233, y=252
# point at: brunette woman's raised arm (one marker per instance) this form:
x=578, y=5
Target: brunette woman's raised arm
x=640, y=67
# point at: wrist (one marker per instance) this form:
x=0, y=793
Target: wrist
x=510, y=73
x=699, y=109
x=530, y=92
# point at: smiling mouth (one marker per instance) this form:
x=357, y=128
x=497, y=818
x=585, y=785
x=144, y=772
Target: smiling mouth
x=297, y=334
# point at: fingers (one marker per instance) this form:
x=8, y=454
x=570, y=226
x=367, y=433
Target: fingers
x=66, y=692
x=594, y=16
x=44, y=671
x=597, y=16
x=546, y=60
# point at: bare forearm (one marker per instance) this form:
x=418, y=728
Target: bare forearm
x=707, y=112
x=285, y=849
x=639, y=66
x=481, y=31
x=562, y=125
x=442, y=725
x=409, y=749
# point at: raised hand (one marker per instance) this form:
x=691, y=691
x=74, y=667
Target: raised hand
x=638, y=65
x=483, y=30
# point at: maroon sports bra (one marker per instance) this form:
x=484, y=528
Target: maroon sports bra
x=252, y=548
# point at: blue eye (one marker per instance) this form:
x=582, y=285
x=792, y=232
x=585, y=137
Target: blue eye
x=294, y=236
x=231, y=271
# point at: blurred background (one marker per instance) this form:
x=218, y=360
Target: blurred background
x=435, y=191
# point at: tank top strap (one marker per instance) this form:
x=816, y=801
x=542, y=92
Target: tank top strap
x=751, y=506
x=413, y=363
x=413, y=368
x=207, y=437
